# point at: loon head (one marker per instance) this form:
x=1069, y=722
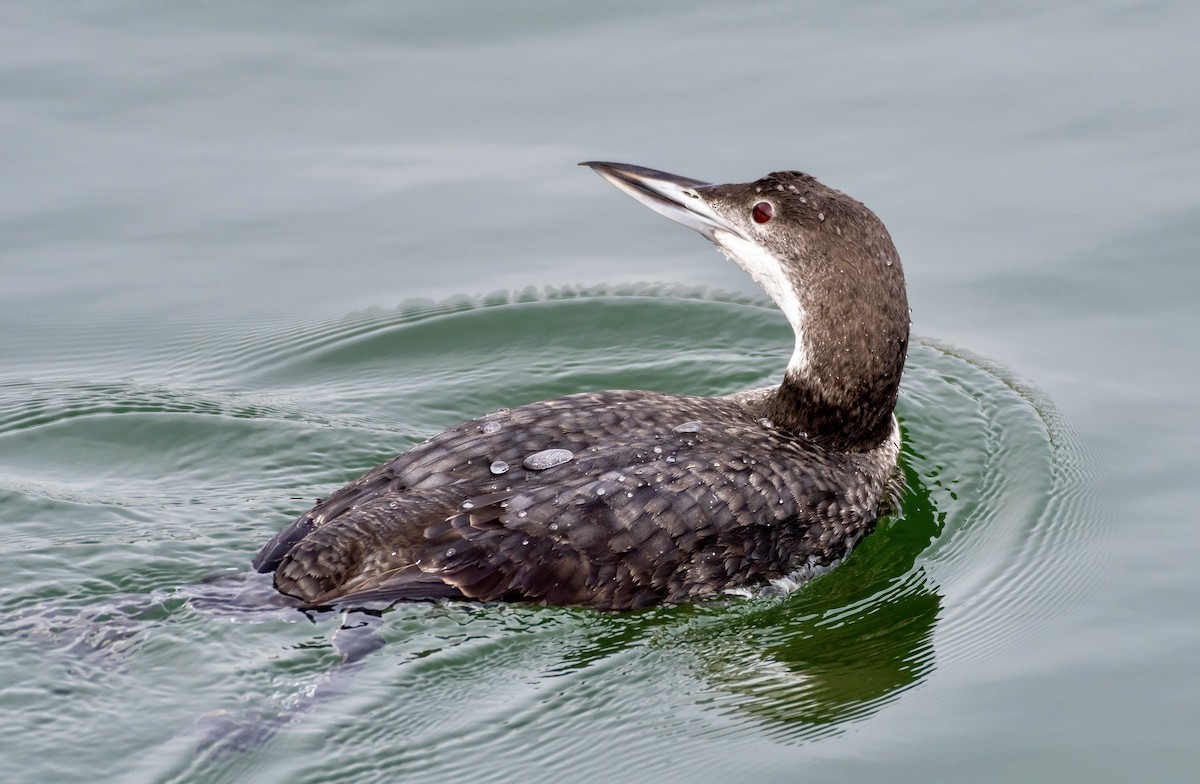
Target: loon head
x=829, y=264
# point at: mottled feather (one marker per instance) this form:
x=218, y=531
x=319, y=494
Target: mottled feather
x=640, y=515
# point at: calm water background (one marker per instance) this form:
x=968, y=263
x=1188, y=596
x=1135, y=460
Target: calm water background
x=249, y=250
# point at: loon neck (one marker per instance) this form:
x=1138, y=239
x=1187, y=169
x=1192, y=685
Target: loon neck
x=800, y=407
x=841, y=385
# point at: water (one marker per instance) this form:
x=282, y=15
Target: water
x=250, y=251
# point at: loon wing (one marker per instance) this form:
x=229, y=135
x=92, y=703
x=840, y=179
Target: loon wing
x=645, y=511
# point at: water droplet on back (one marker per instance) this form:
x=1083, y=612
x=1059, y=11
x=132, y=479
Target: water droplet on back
x=687, y=427
x=498, y=467
x=490, y=427
x=548, y=458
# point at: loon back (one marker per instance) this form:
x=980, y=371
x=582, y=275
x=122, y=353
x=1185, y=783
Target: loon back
x=622, y=499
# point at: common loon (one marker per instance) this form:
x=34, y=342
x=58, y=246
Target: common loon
x=623, y=499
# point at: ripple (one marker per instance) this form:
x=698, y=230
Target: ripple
x=1008, y=482
x=134, y=488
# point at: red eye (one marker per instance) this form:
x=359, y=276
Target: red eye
x=763, y=212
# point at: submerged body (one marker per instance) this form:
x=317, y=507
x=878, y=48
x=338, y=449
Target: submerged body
x=626, y=498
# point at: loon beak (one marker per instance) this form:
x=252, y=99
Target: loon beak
x=670, y=195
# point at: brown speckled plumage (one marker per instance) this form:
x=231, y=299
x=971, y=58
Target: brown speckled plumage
x=666, y=498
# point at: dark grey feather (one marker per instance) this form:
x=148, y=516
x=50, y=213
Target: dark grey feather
x=641, y=515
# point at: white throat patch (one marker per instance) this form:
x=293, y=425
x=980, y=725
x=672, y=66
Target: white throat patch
x=767, y=272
